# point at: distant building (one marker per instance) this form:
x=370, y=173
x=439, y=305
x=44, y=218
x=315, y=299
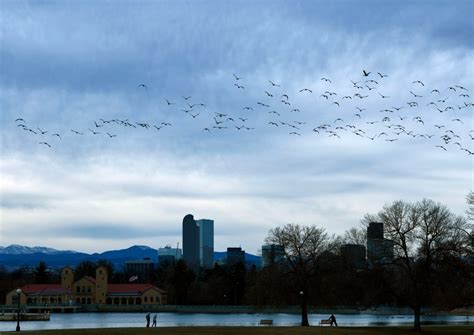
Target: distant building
x=140, y=271
x=235, y=255
x=353, y=255
x=86, y=291
x=272, y=254
x=198, y=242
x=206, y=242
x=168, y=255
x=380, y=251
x=190, y=241
x=375, y=230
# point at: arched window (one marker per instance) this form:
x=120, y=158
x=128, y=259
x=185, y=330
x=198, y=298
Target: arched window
x=123, y=301
x=151, y=299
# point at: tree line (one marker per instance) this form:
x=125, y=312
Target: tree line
x=433, y=267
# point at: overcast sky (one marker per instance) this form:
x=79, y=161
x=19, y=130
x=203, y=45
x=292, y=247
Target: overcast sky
x=308, y=156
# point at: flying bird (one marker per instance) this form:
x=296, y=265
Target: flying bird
x=418, y=82
x=273, y=84
x=326, y=80
x=45, y=143
x=236, y=77
x=143, y=85
x=365, y=73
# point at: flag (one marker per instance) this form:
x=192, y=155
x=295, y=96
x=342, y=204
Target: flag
x=132, y=278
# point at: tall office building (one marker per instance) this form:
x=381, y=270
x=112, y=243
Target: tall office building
x=235, y=255
x=206, y=242
x=190, y=241
x=380, y=251
x=198, y=242
x=272, y=254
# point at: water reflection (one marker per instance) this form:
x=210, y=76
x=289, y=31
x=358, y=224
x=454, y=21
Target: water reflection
x=112, y=320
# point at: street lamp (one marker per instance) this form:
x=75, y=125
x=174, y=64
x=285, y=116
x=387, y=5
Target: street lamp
x=18, y=292
x=304, y=310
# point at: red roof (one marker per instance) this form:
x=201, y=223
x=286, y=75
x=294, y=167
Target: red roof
x=45, y=289
x=131, y=288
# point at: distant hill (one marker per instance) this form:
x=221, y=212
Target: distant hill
x=15, y=256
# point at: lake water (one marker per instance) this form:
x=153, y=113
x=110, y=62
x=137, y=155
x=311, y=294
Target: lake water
x=111, y=320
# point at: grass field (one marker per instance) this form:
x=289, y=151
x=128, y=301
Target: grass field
x=264, y=330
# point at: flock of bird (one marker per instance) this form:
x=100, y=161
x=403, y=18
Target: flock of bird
x=440, y=115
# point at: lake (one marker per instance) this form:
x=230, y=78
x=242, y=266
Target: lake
x=111, y=320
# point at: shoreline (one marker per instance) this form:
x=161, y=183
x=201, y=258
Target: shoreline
x=261, y=330
x=219, y=309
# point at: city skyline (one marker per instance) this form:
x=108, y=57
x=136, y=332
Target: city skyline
x=92, y=184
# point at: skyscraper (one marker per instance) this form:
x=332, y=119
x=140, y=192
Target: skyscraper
x=190, y=241
x=198, y=242
x=206, y=242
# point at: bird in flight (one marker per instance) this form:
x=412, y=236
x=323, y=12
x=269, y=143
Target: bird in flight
x=306, y=89
x=143, y=85
x=365, y=73
x=42, y=131
x=186, y=98
x=382, y=75
x=383, y=96
x=111, y=135
x=20, y=119
x=236, y=77
x=59, y=136
x=269, y=94
x=45, y=143
x=418, y=82
x=326, y=80
x=94, y=132
x=170, y=103
x=239, y=86
x=77, y=132
x=273, y=84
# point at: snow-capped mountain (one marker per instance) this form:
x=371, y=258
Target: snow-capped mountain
x=16, y=249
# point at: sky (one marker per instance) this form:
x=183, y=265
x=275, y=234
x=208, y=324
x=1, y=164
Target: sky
x=105, y=143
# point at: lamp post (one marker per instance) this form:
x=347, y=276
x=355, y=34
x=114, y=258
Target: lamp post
x=18, y=292
x=304, y=310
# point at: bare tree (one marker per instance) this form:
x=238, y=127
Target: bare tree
x=355, y=236
x=470, y=202
x=424, y=234
x=302, y=245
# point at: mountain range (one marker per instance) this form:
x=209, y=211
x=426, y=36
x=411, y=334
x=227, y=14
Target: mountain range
x=15, y=256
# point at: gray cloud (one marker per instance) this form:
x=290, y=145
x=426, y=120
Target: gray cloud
x=65, y=66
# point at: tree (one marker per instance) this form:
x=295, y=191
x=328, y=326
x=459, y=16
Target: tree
x=425, y=234
x=355, y=236
x=470, y=202
x=41, y=273
x=302, y=246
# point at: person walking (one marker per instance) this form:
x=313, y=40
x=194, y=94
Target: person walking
x=147, y=317
x=154, y=320
x=333, y=320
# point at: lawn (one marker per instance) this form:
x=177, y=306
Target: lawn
x=264, y=330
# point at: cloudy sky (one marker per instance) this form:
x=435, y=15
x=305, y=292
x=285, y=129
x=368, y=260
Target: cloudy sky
x=118, y=72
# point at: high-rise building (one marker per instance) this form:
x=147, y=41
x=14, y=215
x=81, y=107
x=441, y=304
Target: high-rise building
x=380, y=251
x=168, y=255
x=235, y=255
x=272, y=254
x=190, y=241
x=206, y=242
x=198, y=242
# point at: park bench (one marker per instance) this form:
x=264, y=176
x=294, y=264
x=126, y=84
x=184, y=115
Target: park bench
x=325, y=322
x=266, y=322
